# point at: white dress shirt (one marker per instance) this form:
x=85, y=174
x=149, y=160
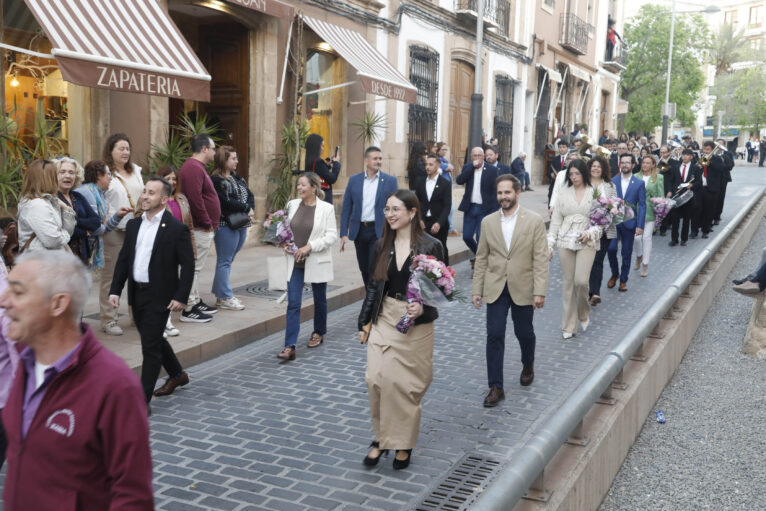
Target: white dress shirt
x=369, y=192
x=430, y=186
x=476, y=192
x=508, y=224
x=144, y=245
x=625, y=184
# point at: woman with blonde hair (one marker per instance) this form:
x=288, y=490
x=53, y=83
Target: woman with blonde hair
x=69, y=174
x=655, y=187
x=312, y=221
x=237, y=203
x=44, y=221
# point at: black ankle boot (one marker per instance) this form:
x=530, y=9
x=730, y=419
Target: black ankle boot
x=371, y=462
x=402, y=464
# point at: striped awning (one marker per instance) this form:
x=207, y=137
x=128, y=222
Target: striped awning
x=124, y=45
x=375, y=72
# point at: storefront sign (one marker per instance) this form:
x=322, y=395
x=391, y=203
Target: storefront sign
x=388, y=90
x=270, y=7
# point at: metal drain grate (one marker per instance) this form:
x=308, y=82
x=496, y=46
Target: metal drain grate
x=458, y=490
x=260, y=289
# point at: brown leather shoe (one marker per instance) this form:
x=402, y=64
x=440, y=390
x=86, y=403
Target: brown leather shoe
x=527, y=375
x=171, y=384
x=623, y=286
x=595, y=300
x=494, y=396
x=612, y=282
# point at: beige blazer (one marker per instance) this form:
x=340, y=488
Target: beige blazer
x=323, y=236
x=523, y=268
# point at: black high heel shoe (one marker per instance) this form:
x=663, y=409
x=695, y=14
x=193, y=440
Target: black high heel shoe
x=371, y=462
x=402, y=464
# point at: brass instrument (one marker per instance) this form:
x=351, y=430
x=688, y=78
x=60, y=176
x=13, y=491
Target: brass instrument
x=586, y=145
x=718, y=150
x=663, y=166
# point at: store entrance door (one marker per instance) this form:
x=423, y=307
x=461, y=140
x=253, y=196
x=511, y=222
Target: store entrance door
x=461, y=87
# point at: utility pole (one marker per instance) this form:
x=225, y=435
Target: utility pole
x=475, y=130
x=666, y=106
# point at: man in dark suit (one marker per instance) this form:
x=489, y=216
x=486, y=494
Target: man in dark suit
x=361, y=218
x=686, y=172
x=480, y=198
x=713, y=179
x=667, y=166
x=728, y=165
x=558, y=164
x=435, y=196
x=156, y=246
x=492, y=156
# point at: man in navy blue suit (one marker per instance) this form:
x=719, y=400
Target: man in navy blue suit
x=633, y=191
x=491, y=156
x=361, y=218
x=480, y=199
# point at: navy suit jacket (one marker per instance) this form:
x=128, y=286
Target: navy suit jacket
x=637, y=197
x=503, y=169
x=351, y=214
x=488, y=187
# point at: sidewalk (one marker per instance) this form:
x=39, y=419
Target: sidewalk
x=263, y=315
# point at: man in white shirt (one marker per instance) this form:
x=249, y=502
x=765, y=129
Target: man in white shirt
x=435, y=196
x=156, y=245
x=511, y=273
x=480, y=198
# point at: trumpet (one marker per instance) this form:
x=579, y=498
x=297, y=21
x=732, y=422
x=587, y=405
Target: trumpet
x=588, y=146
x=662, y=166
x=718, y=150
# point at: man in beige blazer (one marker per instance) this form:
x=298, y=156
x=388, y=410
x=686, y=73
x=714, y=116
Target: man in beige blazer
x=511, y=272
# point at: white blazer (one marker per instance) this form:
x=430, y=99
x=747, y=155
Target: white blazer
x=323, y=236
x=51, y=224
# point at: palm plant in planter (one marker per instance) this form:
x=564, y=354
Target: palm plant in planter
x=294, y=135
x=371, y=127
x=176, y=148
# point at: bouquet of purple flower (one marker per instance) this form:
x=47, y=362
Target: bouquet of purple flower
x=662, y=207
x=431, y=283
x=624, y=211
x=278, y=231
x=600, y=210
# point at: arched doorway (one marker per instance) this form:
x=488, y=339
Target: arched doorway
x=461, y=88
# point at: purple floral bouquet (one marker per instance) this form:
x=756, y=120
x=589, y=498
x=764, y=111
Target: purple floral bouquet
x=431, y=283
x=278, y=231
x=662, y=207
x=624, y=211
x=600, y=210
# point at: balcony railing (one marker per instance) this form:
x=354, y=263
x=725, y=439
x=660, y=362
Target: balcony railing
x=616, y=61
x=497, y=13
x=574, y=34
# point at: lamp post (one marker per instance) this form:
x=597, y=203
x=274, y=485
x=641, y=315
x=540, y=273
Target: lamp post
x=710, y=9
x=474, y=129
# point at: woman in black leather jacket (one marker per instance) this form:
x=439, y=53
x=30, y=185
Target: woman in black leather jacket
x=399, y=365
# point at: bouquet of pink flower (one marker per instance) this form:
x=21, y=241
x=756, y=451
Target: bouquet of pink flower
x=278, y=231
x=600, y=210
x=662, y=207
x=431, y=283
x=624, y=211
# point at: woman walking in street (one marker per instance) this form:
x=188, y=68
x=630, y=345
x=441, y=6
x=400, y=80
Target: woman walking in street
x=399, y=365
x=416, y=165
x=314, y=231
x=69, y=175
x=124, y=191
x=599, y=180
x=577, y=241
x=655, y=187
x=237, y=205
x=328, y=170
x=44, y=221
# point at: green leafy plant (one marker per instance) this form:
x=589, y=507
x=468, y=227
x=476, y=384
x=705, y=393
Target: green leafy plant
x=294, y=135
x=10, y=181
x=176, y=148
x=189, y=126
x=371, y=127
x=46, y=144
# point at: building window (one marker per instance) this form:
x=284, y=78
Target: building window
x=424, y=75
x=320, y=74
x=730, y=18
x=543, y=112
x=504, y=117
x=756, y=43
x=755, y=16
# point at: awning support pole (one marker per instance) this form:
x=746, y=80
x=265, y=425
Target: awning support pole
x=284, y=66
x=540, y=94
x=317, y=91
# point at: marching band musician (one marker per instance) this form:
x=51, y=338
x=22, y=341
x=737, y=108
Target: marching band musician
x=688, y=174
x=728, y=160
x=713, y=177
x=665, y=167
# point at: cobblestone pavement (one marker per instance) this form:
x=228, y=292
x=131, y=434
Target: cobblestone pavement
x=250, y=433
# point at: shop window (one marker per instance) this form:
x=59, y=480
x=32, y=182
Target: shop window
x=504, y=117
x=320, y=107
x=424, y=74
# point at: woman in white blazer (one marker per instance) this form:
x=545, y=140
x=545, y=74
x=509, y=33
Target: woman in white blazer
x=314, y=231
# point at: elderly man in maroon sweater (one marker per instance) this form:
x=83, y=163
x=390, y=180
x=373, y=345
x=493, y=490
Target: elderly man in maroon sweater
x=206, y=214
x=78, y=436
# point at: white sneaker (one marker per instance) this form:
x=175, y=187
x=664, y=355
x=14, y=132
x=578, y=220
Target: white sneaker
x=232, y=304
x=170, y=330
x=112, y=328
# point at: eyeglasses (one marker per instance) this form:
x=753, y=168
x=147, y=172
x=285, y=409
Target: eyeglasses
x=394, y=210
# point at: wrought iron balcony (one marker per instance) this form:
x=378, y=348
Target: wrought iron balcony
x=616, y=61
x=574, y=34
x=497, y=13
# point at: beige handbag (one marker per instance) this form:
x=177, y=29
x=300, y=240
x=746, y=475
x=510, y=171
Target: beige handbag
x=277, y=268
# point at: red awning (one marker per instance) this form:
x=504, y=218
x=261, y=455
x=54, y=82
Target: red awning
x=270, y=7
x=375, y=72
x=124, y=45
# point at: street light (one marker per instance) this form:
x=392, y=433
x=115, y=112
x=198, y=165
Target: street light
x=710, y=9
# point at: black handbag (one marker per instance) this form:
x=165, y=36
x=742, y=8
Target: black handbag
x=237, y=220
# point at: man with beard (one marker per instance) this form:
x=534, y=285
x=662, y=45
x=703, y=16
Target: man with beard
x=511, y=272
x=667, y=167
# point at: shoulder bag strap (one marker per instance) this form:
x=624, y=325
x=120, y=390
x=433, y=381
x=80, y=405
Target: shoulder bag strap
x=122, y=182
x=26, y=245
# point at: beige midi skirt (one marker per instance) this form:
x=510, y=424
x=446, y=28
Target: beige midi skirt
x=399, y=371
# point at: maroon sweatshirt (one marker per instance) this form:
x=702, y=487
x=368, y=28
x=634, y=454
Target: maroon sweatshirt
x=199, y=190
x=87, y=448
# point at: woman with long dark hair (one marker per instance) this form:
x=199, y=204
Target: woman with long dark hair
x=416, y=165
x=327, y=170
x=399, y=365
x=599, y=180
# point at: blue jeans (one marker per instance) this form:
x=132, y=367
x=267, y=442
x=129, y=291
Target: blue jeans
x=497, y=318
x=472, y=226
x=294, y=298
x=227, y=243
x=523, y=178
x=625, y=237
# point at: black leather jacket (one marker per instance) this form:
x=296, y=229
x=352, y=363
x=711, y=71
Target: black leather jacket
x=376, y=290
